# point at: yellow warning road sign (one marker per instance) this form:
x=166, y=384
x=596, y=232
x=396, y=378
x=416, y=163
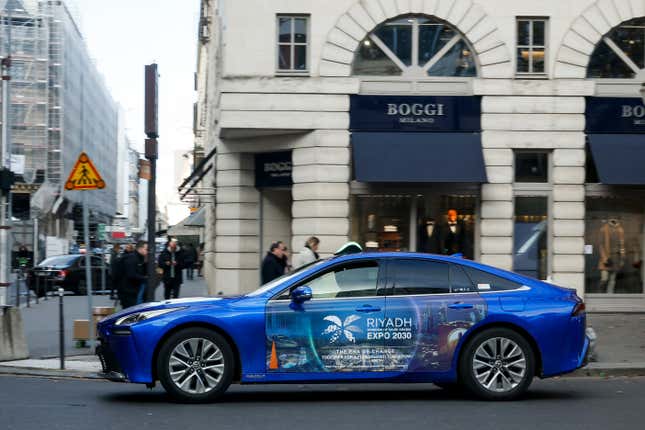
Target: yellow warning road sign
x=84, y=175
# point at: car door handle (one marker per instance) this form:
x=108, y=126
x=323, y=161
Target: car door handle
x=368, y=308
x=460, y=305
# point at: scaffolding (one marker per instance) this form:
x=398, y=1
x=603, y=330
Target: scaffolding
x=24, y=37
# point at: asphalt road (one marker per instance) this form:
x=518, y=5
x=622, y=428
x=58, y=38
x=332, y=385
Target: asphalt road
x=569, y=403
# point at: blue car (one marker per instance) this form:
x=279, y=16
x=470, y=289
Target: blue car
x=366, y=317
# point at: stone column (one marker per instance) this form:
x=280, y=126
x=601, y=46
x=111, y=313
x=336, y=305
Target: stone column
x=569, y=217
x=236, y=224
x=496, y=243
x=321, y=173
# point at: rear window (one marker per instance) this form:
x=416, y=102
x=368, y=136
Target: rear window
x=61, y=260
x=485, y=281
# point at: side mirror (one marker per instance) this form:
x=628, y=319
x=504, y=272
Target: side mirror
x=301, y=294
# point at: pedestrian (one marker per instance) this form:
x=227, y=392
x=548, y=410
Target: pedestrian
x=171, y=261
x=200, y=259
x=273, y=265
x=113, y=269
x=309, y=253
x=134, y=282
x=190, y=257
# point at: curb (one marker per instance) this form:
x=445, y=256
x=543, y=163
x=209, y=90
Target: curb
x=48, y=373
x=600, y=370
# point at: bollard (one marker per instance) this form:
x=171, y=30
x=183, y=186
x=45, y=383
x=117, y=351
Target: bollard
x=61, y=328
x=37, y=288
x=26, y=288
x=18, y=291
x=46, y=288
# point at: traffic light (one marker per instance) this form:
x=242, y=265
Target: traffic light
x=7, y=179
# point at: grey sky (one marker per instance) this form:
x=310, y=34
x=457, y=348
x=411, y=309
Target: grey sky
x=123, y=36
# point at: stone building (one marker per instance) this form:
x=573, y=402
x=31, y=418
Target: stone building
x=372, y=120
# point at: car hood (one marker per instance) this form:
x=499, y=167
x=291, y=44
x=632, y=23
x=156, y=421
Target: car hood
x=174, y=303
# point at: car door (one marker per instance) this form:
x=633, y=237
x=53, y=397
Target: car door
x=331, y=332
x=430, y=305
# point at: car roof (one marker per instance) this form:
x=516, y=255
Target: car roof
x=456, y=259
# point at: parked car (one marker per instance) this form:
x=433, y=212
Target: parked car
x=386, y=317
x=67, y=271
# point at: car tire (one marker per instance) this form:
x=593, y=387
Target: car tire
x=497, y=364
x=187, y=374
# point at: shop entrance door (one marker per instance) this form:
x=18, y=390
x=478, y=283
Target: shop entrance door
x=275, y=218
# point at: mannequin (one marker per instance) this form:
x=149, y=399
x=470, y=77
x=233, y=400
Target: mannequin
x=612, y=253
x=429, y=236
x=453, y=236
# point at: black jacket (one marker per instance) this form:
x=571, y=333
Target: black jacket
x=272, y=267
x=166, y=257
x=134, y=266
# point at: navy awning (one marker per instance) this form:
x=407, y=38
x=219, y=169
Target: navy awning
x=619, y=158
x=418, y=157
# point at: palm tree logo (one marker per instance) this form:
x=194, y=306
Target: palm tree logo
x=341, y=329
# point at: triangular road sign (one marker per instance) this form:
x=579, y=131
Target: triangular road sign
x=84, y=175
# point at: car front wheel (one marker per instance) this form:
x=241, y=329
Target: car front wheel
x=195, y=365
x=497, y=364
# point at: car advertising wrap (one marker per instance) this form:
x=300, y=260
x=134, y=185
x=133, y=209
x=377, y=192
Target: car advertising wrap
x=416, y=333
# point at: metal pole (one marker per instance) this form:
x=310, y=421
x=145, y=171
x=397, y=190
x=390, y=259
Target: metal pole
x=152, y=217
x=103, y=267
x=5, y=210
x=88, y=269
x=61, y=328
x=37, y=288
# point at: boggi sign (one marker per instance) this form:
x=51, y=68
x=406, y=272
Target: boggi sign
x=415, y=113
x=416, y=109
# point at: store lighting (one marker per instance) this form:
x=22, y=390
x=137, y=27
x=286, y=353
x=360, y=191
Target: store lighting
x=367, y=43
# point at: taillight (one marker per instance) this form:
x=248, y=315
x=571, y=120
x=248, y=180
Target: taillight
x=63, y=273
x=579, y=309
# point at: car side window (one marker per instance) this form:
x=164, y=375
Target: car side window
x=419, y=277
x=355, y=279
x=485, y=281
x=459, y=281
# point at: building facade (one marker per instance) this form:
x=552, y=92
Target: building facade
x=60, y=106
x=508, y=131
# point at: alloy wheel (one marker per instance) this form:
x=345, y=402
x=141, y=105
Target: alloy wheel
x=499, y=364
x=196, y=365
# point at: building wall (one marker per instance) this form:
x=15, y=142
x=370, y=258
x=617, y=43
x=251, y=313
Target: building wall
x=310, y=116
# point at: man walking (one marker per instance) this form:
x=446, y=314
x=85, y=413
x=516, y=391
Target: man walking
x=134, y=264
x=274, y=265
x=190, y=257
x=171, y=261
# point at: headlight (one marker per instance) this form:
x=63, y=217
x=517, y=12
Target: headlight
x=140, y=316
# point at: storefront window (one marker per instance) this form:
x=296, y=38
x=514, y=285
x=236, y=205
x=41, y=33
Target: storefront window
x=382, y=222
x=433, y=223
x=530, y=255
x=614, y=245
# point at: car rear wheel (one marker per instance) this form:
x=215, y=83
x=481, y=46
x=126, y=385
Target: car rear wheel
x=195, y=365
x=497, y=364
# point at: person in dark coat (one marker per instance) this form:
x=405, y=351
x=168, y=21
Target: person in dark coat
x=171, y=261
x=190, y=257
x=273, y=265
x=134, y=279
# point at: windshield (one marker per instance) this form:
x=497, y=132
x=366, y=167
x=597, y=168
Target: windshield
x=60, y=260
x=284, y=278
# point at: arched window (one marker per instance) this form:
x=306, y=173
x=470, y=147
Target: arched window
x=621, y=52
x=415, y=46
